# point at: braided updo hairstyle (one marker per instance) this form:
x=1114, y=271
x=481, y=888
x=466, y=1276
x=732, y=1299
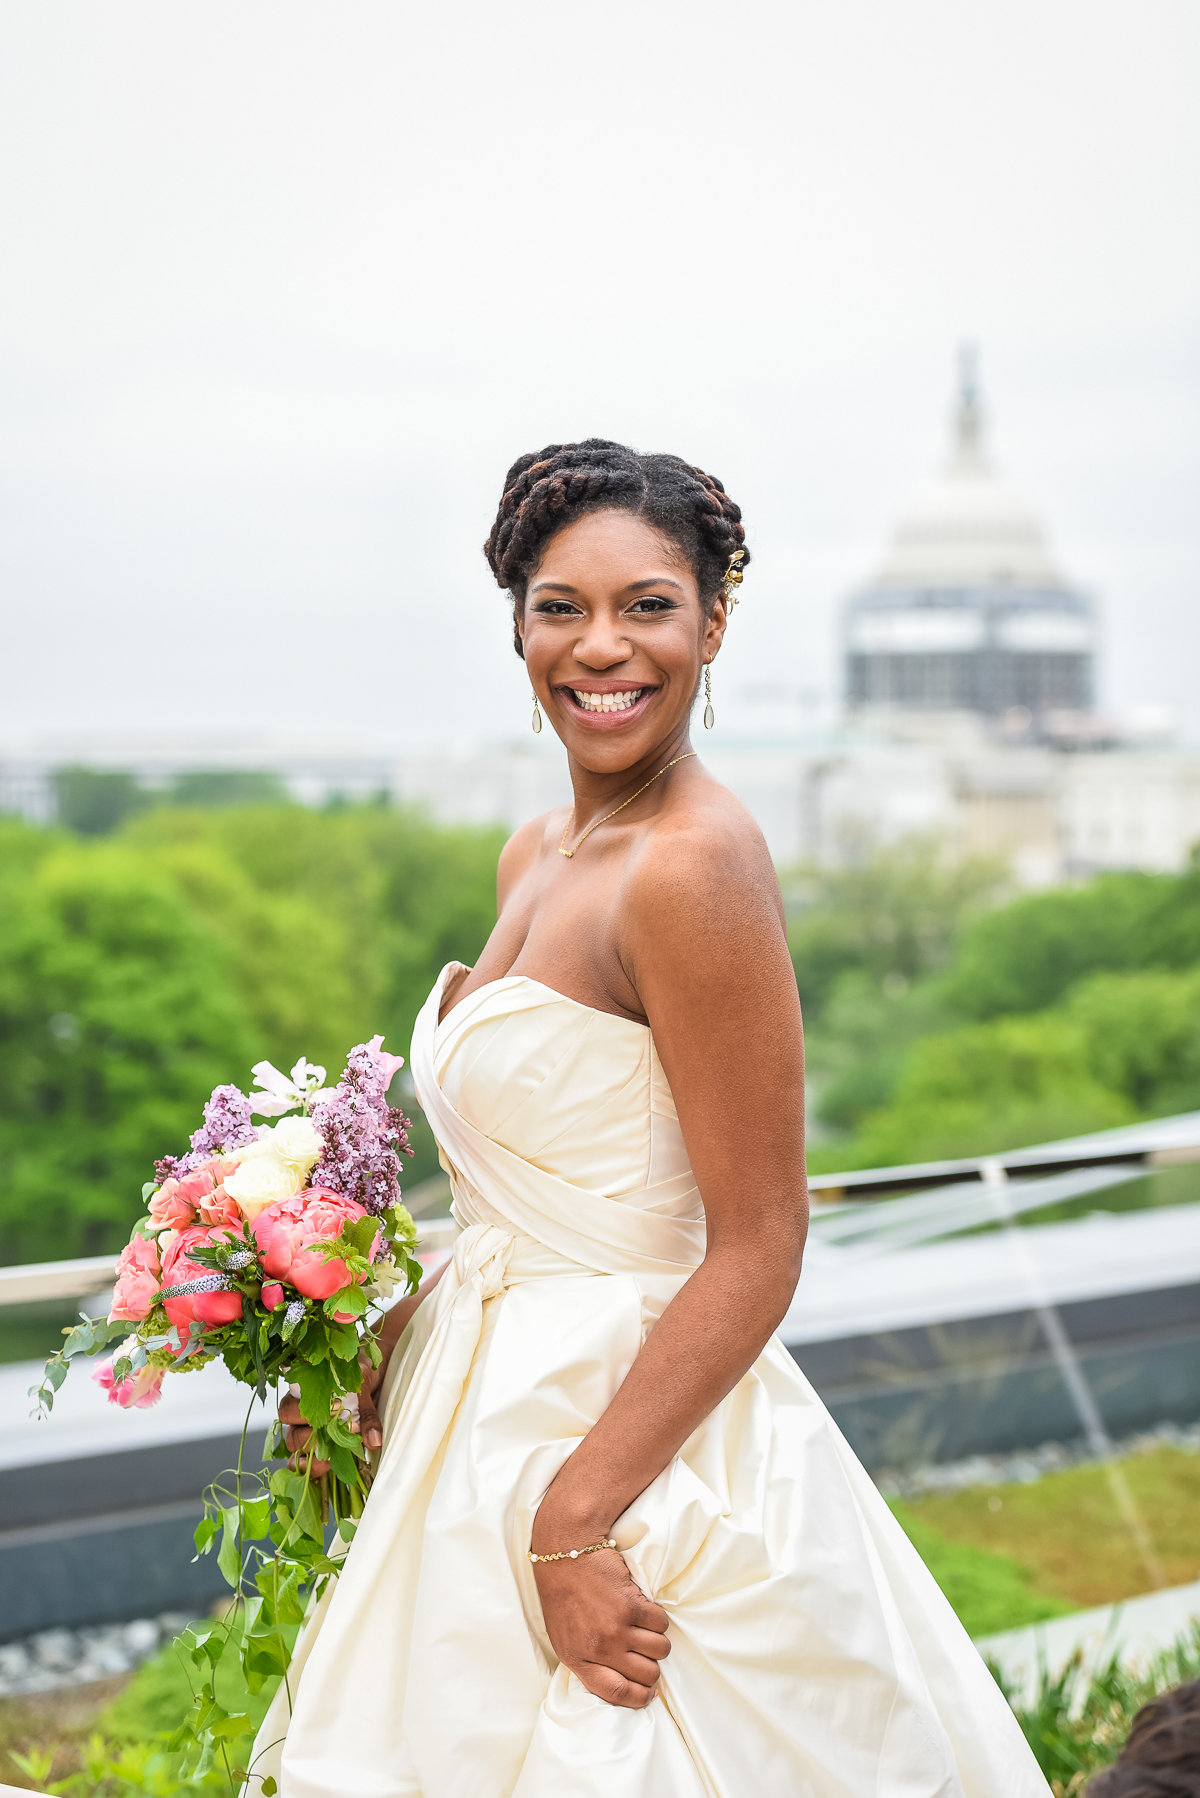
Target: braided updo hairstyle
x=552, y=488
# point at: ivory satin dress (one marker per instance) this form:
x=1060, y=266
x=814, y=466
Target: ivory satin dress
x=813, y=1656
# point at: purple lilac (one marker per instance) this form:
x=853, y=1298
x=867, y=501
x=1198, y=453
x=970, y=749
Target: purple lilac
x=364, y=1137
x=227, y=1125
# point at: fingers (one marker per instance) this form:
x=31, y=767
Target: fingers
x=650, y=1643
x=308, y=1464
x=297, y=1436
x=638, y=1669
x=369, y=1426
x=650, y=1616
x=607, y=1683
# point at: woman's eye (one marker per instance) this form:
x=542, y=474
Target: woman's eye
x=555, y=608
x=653, y=602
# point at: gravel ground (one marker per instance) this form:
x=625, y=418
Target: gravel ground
x=78, y=1657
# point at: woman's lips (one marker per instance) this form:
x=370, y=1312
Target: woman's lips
x=610, y=718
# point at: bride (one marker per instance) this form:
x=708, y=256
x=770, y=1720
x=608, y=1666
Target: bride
x=615, y=1546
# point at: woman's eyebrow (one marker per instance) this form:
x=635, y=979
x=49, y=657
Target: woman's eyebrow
x=656, y=580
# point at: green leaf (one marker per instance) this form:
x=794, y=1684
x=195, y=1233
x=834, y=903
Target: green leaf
x=269, y=1787
x=228, y=1557
x=235, y=1725
x=205, y=1534
x=256, y=1518
x=350, y=1298
x=149, y=1188
x=317, y=1388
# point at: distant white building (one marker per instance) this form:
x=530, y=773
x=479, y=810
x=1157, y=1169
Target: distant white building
x=969, y=612
x=969, y=677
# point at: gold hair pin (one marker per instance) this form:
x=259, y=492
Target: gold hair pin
x=733, y=578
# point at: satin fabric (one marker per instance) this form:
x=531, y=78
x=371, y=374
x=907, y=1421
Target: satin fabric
x=813, y=1656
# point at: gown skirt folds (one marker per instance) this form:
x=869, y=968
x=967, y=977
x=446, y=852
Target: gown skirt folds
x=813, y=1656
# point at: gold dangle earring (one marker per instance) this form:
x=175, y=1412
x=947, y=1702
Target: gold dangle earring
x=537, y=716
x=709, y=717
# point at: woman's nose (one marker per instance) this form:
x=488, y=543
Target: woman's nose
x=602, y=644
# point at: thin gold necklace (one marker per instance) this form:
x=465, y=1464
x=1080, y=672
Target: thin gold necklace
x=562, y=844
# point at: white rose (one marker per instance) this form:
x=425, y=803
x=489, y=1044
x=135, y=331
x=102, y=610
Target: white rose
x=299, y=1143
x=259, y=1180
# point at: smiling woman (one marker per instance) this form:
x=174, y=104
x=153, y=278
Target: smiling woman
x=595, y=1453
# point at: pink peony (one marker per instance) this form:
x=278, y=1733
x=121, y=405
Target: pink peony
x=141, y=1388
x=285, y=1230
x=273, y=1295
x=137, y=1280
x=209, y=1308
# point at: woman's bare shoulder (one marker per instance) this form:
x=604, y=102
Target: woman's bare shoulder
x=705, y=852
x=524, y=847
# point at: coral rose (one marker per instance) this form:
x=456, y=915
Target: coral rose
x=285, y=1231
x=141, y=1388
x=137, y=1281
x=176, y=1202
x=169, y=1210
x=212, y=1309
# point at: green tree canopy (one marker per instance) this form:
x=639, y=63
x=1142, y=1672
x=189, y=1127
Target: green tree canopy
x=893, y=915
x=138, y=971
x=117, y=1017
x=1026, y=955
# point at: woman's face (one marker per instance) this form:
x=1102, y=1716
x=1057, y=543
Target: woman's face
x=615, y=638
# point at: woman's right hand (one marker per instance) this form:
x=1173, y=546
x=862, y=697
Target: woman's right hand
x=298, y=1435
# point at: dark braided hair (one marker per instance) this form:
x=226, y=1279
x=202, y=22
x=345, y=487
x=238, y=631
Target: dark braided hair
x=552, y=488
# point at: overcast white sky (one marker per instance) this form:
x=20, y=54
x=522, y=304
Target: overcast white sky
x=289, y=285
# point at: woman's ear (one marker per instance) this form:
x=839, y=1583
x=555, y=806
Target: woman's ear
x=714, y=627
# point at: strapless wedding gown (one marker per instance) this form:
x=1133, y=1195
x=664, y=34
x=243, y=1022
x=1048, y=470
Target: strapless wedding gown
x=813, y=1656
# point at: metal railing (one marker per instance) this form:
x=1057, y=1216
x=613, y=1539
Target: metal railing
x=1053, y=1171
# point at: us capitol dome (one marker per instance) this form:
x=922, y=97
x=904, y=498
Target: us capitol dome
x=969, y=612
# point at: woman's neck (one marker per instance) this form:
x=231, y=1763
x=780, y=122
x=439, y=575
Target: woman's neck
x=596, y=792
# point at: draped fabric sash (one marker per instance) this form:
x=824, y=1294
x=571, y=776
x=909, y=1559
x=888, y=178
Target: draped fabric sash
x=657, y=1231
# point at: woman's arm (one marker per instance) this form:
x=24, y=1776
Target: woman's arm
x=705, y=951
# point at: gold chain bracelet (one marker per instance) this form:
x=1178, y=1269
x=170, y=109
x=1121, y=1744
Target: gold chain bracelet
x=573, y=1554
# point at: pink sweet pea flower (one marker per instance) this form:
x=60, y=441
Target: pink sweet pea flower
x=389, y=1065
x=137, y=1280
x=142, y=1388
x=286, y=1229
x=211, y=1309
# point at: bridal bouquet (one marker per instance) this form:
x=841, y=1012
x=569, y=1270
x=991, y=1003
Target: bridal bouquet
x=265, y=1246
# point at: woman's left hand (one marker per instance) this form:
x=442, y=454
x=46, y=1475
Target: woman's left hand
x=603, y=1627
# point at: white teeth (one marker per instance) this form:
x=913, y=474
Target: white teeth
x=607, y=702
